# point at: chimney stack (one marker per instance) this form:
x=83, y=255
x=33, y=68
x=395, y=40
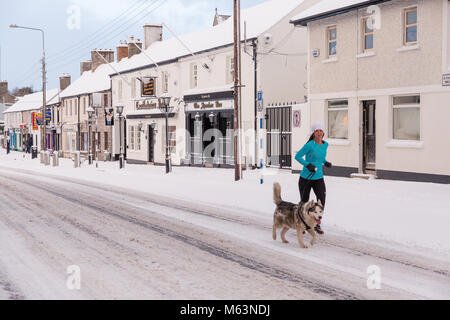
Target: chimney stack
x=3, y=87
x=132, y=47
x=64, y=81
x=152, y=33
x=122, y=51
x=85, y=66
x=97, y=60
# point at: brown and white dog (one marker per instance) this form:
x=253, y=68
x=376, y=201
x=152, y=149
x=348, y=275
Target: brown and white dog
x=301, y=217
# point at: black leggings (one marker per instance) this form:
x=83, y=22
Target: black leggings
x=317, y=185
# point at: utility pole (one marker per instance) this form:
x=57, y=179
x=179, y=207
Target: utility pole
x=237, y=89
x=44, y=104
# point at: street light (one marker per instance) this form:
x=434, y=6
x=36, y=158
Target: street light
x=119, y=111
x=44, y=80
x=90, y=112
x=165, y=108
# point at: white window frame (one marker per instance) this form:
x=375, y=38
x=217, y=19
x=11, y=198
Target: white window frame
x=405, y=106
x=173, y=138
x=328, y=110
x=194, y=75
x=405, y=25
x=329, y=41
x=120, y=91
x=133, y=88
x=365, y=33
x=138, y=140
x=132, y=137
x=230, y=69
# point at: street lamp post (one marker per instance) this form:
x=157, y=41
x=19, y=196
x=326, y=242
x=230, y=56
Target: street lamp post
x=90, y=112
x=44, y=85
x=164, y=107
x=119, y=111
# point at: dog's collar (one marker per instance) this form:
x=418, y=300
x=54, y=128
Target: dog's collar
x=299, y=213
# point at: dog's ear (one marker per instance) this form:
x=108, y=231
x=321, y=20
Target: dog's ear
x=320, y=203
x=311, y=204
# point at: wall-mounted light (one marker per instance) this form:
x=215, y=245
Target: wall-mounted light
x=197, y=116
x=211, y=117
x=140, y=126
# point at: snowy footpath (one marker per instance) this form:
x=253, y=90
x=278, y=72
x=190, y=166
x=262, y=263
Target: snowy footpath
x=399, y=227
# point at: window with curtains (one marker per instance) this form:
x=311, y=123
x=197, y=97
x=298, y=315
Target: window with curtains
x=338, y=119
x=406, y=118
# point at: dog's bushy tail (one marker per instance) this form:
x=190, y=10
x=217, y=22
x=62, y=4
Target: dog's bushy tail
x=277, y=193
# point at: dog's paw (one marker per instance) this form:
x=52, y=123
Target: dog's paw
x=312, y=243
x=285, y=241
x=304, y=247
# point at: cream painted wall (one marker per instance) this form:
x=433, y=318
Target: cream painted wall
x=447, y=40
x=128, y=101
x=406, y=68
x=389, y=72
x=434, y=156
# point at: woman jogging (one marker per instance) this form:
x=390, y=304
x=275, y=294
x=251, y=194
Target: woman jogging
x=315, y=152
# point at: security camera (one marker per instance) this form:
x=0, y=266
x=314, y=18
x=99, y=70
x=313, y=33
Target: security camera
x=267, y=38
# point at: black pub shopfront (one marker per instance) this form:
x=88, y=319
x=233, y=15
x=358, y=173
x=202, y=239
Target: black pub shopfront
x=210, y=123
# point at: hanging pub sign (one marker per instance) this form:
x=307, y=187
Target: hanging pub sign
x=109, y=118
x=38, y=118
x=34, y=121
x=148, y=87
x=48, y=115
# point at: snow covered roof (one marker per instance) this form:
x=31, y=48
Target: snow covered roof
x=330, y=8
x=258, y=20
x=34, y=101
x=91, y=82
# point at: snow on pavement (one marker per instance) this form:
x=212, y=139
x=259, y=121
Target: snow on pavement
x=413, y=214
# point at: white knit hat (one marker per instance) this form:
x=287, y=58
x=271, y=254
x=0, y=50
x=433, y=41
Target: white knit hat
x=318, y=126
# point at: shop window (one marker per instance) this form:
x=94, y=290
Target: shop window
x=338, y=119
x=406, y=118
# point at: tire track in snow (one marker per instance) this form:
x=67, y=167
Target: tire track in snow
x=206, y=213
x=247, y=262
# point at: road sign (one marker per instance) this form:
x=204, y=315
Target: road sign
x=446, y=80
x=297, y=118
x=260, y=104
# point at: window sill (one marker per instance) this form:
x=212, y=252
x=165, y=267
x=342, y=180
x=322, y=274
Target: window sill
x=408, y=48
x=338, y=142
x=333, y=59
x=365, y=55
x=405, y=144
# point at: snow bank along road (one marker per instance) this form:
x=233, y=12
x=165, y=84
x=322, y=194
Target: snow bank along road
x=131, y=245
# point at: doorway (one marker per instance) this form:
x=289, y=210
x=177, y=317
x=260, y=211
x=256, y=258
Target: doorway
x=151, y=145
x=279, y=137
x=369, y=137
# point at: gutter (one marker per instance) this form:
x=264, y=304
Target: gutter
x=304, y=21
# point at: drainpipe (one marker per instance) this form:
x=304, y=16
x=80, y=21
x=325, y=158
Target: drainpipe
x=78, y=146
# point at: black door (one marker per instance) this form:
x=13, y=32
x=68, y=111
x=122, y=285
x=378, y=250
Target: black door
x=151, y=145
x=279, y=137
x=369, y=136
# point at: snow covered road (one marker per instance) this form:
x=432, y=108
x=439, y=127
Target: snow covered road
x=133, y=245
